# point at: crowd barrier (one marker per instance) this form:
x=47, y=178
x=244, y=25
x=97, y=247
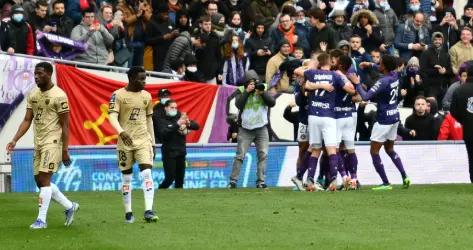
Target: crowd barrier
x=209, y=166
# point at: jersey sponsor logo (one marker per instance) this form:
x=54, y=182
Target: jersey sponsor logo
x=391, y=112
x=469, y=105
x=320, y=105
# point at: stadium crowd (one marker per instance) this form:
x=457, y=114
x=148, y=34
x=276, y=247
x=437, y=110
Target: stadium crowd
x=218, y=41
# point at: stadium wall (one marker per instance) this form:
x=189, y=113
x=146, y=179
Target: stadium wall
x=209, y=166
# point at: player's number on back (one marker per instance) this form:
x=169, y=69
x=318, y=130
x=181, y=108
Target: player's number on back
x=393, y=94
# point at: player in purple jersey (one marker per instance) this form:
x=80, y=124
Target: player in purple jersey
x=385, y=93
x=323, y=85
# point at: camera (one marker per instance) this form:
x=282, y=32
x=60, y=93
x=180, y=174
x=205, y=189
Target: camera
x=260, y=86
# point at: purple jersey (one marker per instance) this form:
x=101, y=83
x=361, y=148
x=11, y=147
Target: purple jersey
x=344, y=106
x=321, y=102
x=384, y=92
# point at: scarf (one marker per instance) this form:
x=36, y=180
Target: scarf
x=289, y=35
x=236, y=73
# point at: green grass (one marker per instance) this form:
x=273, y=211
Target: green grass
x=423, y=217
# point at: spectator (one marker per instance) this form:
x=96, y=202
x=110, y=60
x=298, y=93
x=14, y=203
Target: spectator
x=59, y=23
x=462, y=51
x=226, y=7
x=302, y=30
x=163, y=95
x=38, y=19
x=292, y=117
x=298, y=53
x=258, y=47
x=207, y=51
x=358, y=54
x=321, y=35
x=466, y=20
x=18, y=34
x=356, y=5
x=338, y=23
x=74, y=10
x=265, y=9
x=399, y=7
x=95, y=35
x=192, y=73
x=412, y=37
x=450, y=129
x=160, y=33
x=365, y=24
x=174, y=7
x=449, y=28
x=435, y=68
x=411, y=83
x=218, y=25
x=388, y=22
x=198, y=8
x=420, y=123
x=180, y=47
x=285, y=30
x=447, y=99
x=173, y=128
x=232, y=133
x=236, y=63
x=273, y=76
x=253, y=121
x=106, y=18
x=183, y=21
x=235, y=25
x=121, y=50
x=433, y=109
x=462, y=110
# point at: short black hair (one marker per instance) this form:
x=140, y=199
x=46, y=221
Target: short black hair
x=318, y=14
x=421, y=97
x=91, y=9
x=336, y=53
x=59, y=2
x=389, y=62
x=169, y=102
x=133, y=71
x=345, y=62
x=43, y=3
x=48, y=67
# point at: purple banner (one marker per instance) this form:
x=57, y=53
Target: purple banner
x=69, y=48
x=220, y=125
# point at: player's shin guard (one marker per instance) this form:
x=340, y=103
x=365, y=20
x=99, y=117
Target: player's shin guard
x=304, y=165
x=126, y=191
x=44, y=200
x=378, y=165
x=351, y=164
x=398, y=163
x=312, y=167
x=148, y=188
x=333, y=164
x=59, y=197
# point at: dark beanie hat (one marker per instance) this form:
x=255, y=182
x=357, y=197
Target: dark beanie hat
x=283, y=41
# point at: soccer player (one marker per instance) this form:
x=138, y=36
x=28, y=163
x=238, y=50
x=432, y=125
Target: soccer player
x=131, y=111
x=385, y=129
x=48, y=109
x=323, y=84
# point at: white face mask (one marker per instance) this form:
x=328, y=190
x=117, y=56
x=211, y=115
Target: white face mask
x=415, y=7
x=301, y=21
x=235, y=45
x=192, y=69
x=172, y=113
x=164, y=100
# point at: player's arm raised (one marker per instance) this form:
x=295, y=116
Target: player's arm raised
x=24, y=126
x=365, y=95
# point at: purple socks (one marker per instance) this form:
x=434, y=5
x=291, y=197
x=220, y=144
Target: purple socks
x=397, y=161
x=351, y=164
x=378, y=165
x=304, y=165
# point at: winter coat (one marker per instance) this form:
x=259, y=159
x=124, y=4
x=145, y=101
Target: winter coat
x=423, y=125
x=406, y=34
x=18, y=36
x=64, y=25
x=462, y=109
x=172, y=141
x=450, y=129
x=388, y=22
x=451, y=36
x=252, y=45
x=342, y=32
x=459, y=54
x=209, y=57
x=272, y=68
x=180, y=47
x=97, y=41
x=155, y=31
x=326, y=35
x=268, y=10
x=431, y=78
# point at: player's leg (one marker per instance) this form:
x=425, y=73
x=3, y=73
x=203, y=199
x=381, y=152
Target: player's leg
x=245, y=137
x=351, y=163
x=169, y=166
x=125, y=164
x=43, y=181
x=180, y=162
x=329, y=133
x=262, y=146
x=389, y=148
x=378, y=137
x=315, y=140
x=322, y=179
x=144, y=157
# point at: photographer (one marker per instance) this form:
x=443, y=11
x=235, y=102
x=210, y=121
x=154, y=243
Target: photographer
x=253, y=104
x=173, y=128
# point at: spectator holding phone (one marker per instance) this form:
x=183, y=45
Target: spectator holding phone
x=58, y=22
x=412, y=37
x=258, y=48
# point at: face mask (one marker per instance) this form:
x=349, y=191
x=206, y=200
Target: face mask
x=384, y=5
x=172, y=113
x=164, y=100
x=234, y=2
x=235, y=45
x=301, y=21
x=415, y=7
x=192, y=69
x=17, y=17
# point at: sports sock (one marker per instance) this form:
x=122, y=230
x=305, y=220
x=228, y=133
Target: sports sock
x=304, y=165
x=148, y=188
x=351, y=163
x=378, y=165
x=341, y=166
x=398, y=163
x=44, y=200
x=324, y=167
x=59, y=197
x=333, y=164
x=126, y=191
x=312, y=167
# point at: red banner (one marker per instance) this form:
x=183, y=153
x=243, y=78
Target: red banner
x=89, y=95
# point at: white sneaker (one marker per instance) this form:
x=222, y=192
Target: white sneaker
x=298, y=183
x=39, y=224
x=70, y=213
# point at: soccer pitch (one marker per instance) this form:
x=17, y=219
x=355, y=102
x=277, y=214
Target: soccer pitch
x=423, y=217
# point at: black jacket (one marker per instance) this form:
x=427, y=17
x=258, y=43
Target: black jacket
x=327, y=35
x=64, y=25
x=253, y=44
x=173, y=142
x=462, y=108
x=155, y=31
x=451, y=36
x=423, y=125
x=209, y=56
x=369, y=42
x=431, y=78
x=158, y=113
